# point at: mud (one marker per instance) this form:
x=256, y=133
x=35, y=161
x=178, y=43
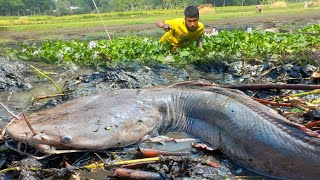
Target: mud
x=11, y=75
x=139, y=77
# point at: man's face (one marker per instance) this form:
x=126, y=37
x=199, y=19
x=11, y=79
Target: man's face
x=192, y=23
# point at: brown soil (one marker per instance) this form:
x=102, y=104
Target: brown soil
x=308, y=16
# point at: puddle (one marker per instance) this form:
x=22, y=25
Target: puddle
x=40, y=86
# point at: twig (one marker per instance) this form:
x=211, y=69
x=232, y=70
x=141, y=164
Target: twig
x=45, y=97
x=93, y=166
x=191, y=83
x=136, y=174
x=273, y=86
x=144, y=160
x=155, y=152
x=19, y=169
x=15, y=117
x=126, y=162
x=272, y=103
x=44, y=75
x=250, y=86
x=10, y=169
x=11, y=113
x=100, y=158
x=312, y=124
x=317, y=91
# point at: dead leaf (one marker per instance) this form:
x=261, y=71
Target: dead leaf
x=302, y=104
x=74, y=177
x=212, y=163
x=315, y=75
x=203, y=146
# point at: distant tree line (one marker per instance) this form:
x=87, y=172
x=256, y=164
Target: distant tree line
x=66, y=7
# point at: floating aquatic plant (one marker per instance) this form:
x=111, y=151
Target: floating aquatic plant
x=226, y=46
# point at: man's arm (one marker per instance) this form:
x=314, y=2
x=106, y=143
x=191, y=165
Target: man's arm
x=199, y=42
x=161, y=24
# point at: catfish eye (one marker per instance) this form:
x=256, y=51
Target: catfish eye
x=66, y=139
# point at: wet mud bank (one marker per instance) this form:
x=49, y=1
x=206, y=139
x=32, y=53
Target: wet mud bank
x=11, y=75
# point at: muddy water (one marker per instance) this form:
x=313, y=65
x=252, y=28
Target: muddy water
x=28, y=84
x=41, y=86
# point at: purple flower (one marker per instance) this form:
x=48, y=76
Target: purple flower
x=92, y=44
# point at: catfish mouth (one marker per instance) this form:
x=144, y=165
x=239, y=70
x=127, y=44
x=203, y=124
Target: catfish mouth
x=39, y=151
x=25, y=149
x=40, y=145
x=26, y=141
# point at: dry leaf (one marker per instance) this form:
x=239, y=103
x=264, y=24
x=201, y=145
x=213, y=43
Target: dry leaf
x=302, y=104
x=315, y=75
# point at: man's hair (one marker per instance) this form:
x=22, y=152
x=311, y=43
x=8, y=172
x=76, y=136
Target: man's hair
x=191, y=12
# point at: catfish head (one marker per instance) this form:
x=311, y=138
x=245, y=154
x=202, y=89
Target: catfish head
x=114, y=119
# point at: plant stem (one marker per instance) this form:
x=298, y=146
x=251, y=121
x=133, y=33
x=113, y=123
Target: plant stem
x=44, y=75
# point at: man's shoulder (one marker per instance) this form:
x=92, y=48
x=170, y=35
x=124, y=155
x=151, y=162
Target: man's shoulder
x=174, y=21
x=200, y=25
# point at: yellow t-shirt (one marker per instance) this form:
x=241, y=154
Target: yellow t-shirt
x=179, y=36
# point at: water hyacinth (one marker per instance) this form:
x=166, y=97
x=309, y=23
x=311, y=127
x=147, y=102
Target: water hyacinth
x=92, y=44
x=95, y=55
x=68, y=49
x=147, y=41
x=227, y=46
x=76, y=56
x=169, y=58
x=36, y=52
x=60, y=56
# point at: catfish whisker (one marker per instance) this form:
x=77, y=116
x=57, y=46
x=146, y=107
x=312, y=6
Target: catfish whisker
x=100, y=158
x=28, y=123
x=25, y=148
x=19, y=146
x=25, y=153
x=11, y=113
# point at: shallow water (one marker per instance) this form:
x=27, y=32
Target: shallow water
x=41, y=86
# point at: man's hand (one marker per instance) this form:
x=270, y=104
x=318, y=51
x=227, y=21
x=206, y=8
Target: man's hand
x=199, y=43
x=166, y=27
x=161, y=24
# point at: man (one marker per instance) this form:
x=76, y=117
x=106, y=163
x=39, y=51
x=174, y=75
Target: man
x=181, y=32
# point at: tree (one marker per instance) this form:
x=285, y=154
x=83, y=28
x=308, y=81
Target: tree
x=13, y=7
x=38, y=7
x=63, y=7
x=32, y=7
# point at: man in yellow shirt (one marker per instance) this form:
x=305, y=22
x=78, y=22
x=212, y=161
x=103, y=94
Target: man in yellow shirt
x=183, y=31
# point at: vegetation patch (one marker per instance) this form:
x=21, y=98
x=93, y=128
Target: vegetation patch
x=226, y=46
x=206, y=9
x=317, y=3
x=279, y=4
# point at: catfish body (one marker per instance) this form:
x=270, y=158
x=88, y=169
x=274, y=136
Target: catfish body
x=248, y=132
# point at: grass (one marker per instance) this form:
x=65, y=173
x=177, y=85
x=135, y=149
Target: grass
x=48, y=24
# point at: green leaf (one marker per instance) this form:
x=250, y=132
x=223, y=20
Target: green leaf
x=184, y=53
x=296, y=110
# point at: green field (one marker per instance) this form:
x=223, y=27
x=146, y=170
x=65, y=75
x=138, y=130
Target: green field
x=45, y=26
